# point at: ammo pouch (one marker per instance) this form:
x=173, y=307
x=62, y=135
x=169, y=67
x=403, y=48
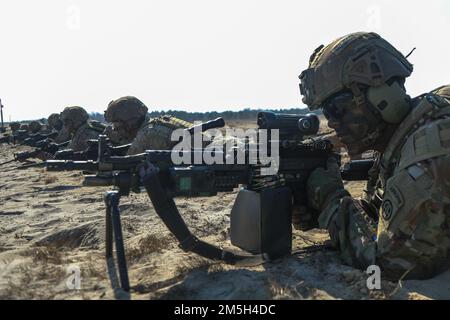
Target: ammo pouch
x=261, y=221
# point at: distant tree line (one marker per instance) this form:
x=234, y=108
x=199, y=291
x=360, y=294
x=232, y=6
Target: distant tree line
x=245, y=114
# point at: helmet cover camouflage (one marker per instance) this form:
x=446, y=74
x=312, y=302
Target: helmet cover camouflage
x=358, y=58
x=125, y=109
x=75, y=114
x=35, y=126
x=54, y=120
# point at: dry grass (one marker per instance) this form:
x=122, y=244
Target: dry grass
x=48, y=255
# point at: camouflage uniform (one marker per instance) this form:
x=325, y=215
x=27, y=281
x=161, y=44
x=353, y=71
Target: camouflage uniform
x=84, y=133
x=127, y=116
x=63, y=136
x=411, y=196
x=14, y=126
x=156, y=134
x=409, y=189
x=115, y=137
x=54, y=122
x=81, y=129
x=35, y=126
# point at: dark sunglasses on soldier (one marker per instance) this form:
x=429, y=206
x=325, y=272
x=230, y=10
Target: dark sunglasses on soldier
x=335, y=106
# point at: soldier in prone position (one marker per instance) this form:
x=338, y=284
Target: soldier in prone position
x=403, y=222
x=79, y=128
x=130, y=124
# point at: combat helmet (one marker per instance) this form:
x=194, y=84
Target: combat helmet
x=355, y=61
x=125, y=109
x=76, y=115
x=54, y=121
x=35, y=126
x=14, y=126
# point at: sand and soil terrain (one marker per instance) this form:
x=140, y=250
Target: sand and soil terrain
x=51, y=227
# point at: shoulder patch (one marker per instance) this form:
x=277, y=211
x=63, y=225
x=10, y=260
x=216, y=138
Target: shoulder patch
x=430, y=140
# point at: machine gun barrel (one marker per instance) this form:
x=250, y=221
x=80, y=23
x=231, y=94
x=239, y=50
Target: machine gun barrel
x=45, y=146
x=35, y=138
x=216, y=123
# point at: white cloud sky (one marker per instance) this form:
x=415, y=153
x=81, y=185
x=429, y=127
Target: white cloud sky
x=196, y=55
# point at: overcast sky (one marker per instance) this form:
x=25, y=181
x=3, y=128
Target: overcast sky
x=196, y=55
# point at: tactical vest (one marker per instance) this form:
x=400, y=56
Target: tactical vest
x=170, y=122
x=430, y=106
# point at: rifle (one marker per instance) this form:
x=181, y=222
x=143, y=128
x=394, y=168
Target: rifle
x=35, y=138
x=6, y=139
x=91, y=153
x=44, y=146
x=272, y=196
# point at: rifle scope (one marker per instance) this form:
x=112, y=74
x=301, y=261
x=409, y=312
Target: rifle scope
x=289, y=123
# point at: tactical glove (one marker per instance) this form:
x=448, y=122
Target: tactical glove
x=324, y=185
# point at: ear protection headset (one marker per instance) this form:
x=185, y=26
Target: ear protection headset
x=391, y=101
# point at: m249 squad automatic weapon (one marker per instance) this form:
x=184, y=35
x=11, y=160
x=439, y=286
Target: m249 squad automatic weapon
x=261, y=218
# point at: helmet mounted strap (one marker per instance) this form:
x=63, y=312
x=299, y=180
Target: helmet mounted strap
x=373, y=116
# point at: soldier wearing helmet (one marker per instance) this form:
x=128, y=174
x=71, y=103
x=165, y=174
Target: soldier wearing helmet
x=77, y=125
x=34, y=127
x=127, y=115
x=55, y=123
x=14, y=126
x=130, y=124
x=402, y=224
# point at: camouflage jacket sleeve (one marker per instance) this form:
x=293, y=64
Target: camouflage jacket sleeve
x=80, y=138
x=63, y=136
x=413, y=233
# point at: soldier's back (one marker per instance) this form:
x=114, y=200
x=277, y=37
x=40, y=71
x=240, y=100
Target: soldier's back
x=156, y=134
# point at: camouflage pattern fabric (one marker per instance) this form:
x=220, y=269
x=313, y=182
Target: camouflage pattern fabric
x=63, y=136
x=14, y=126
x=35, y=126
x=81, y=136
x=118, y=139
x=115, y=137
x=412, y=239
x=156, y=134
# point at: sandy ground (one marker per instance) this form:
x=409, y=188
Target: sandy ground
x=50, y=226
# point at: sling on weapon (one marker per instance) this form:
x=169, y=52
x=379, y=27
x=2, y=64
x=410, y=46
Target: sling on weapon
x=163, y=180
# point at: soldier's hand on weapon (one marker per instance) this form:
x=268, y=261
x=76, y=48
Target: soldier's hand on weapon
x=325, y=185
